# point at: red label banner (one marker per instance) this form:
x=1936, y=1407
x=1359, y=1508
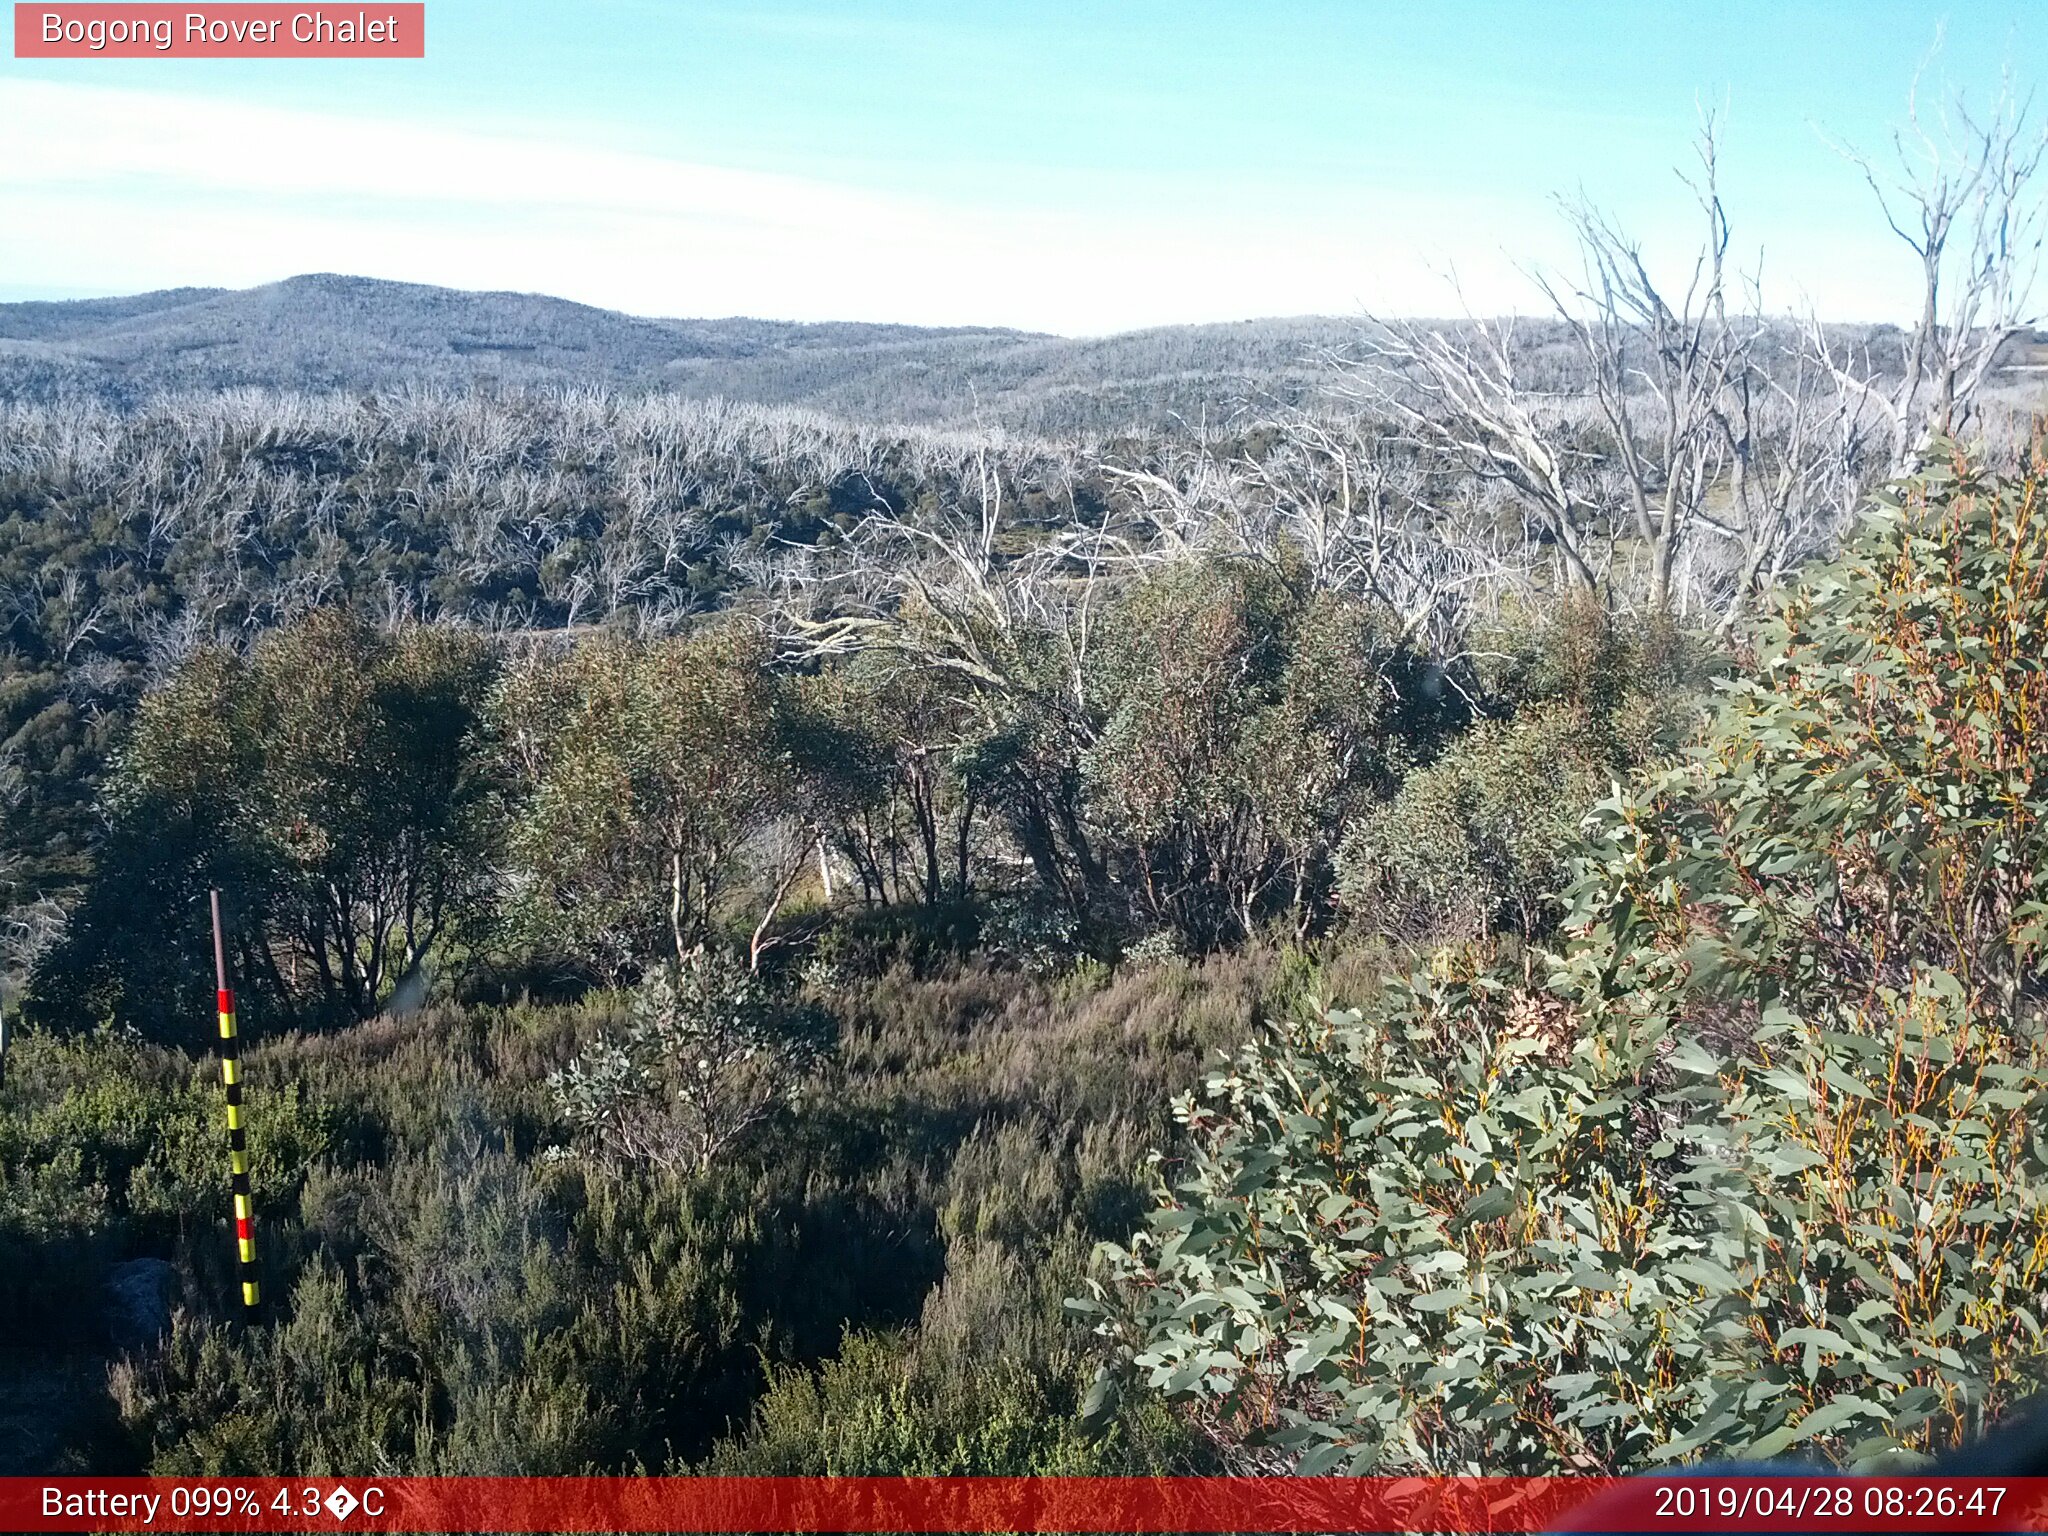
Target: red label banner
x=233, y=31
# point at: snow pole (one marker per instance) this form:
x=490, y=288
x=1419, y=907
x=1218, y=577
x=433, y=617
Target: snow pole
x=238, y=1144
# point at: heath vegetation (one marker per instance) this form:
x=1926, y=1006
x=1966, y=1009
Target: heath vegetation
x=1483, y=913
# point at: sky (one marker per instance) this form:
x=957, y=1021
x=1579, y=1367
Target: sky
x=1079, y=166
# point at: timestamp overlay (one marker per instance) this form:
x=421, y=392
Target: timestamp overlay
x=1681, y=1502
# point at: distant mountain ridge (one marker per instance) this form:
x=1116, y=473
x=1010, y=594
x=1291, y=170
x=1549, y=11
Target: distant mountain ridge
x=325, y=331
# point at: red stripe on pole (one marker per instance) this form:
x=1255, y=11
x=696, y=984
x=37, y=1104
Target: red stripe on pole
x=226, y=1000
x=985, y=1504
x=242, y=1228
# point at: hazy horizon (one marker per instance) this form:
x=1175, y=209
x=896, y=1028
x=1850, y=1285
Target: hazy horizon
x=32, y=294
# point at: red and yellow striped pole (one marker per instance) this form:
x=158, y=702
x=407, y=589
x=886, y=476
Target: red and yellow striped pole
x=238, y=1144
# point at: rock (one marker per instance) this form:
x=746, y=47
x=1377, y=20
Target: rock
x=140, y=1296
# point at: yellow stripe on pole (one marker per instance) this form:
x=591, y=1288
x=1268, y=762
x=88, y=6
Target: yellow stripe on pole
x=227, y=1026
x=248, y=1248
x=241, y=1207
x=229, y=1073
x=238, y=1162
x=234, y=1117
x=248, y=1293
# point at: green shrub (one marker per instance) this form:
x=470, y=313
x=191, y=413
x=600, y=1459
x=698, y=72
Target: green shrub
x=139, y=1136
x=1243, y=718
x=867, y=941
x=642, y=780
x=440, y=1295
x=1758, y=1166
x=1868, y=804
x=867, y=1413
x=328, y=784
x=991, y=1382
x=711, y=1053
x=1456, y=1237
x=1640, y=677
x=1477, y=842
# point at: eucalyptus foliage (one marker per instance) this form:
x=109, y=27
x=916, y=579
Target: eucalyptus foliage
x=710, y=1053
x=1476, y=842
x=642, y=773
x=326, y=783
x=1759, y=1164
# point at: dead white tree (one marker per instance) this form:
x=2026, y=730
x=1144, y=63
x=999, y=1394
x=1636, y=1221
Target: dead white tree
x=1331, y=494
x=1724, y=454
x=1455, y=394
x=1964, y=194
x=1660, y=417
x=937, y=591
x=1671, y=369
x=1805, y=452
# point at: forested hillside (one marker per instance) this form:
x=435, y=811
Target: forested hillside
x=324, y=332
x=1482, y=912
x=347, y=333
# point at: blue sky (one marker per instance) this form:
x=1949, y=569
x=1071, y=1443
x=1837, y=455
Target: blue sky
x=1062, y=166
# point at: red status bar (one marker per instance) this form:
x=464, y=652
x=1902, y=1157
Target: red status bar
x=975, y=1504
